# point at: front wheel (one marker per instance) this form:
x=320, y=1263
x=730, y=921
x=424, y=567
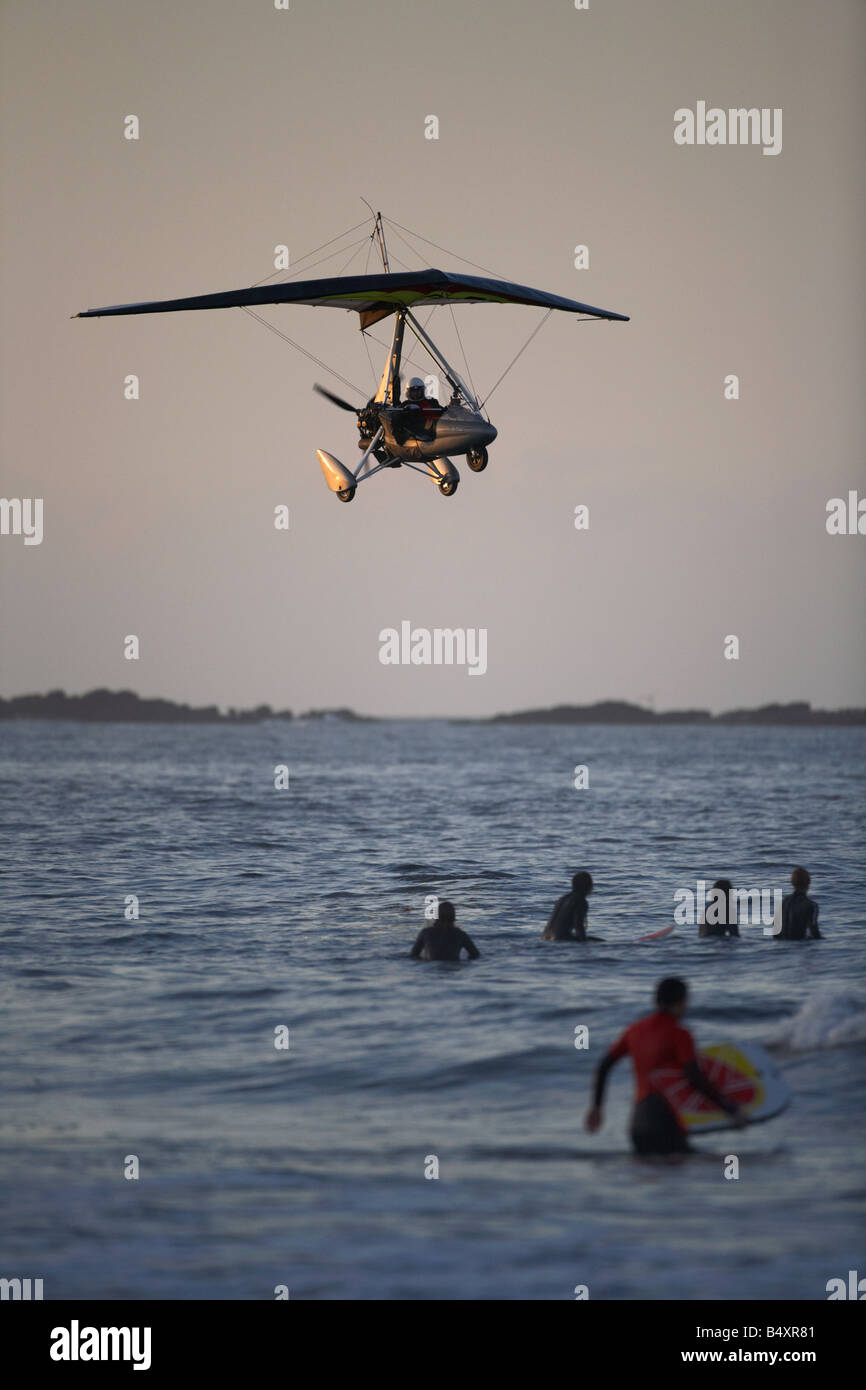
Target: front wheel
x=448, y=486
x=477, y=460
x=346, y=494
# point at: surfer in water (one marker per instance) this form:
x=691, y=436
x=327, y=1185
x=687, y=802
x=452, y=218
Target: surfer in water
x=443, y=940
x=716, y=917
x=568, y=918
x=656, y=1041
x=799, y=911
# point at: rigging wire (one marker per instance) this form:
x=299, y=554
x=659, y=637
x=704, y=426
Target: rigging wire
x=426, y=323
x=363, y=332
x=535, y=330
x=315, y=250
x=325, y=244
x=392, y=257
x=286, y=339
x=355, y=253
x=405, y=356
x=407, y=245
x=422, y=345
x=424, y=348
x=339, y=251
x=444, y=249
x=369, y=356
x=463, y=350
x=392, y=226
x=354, y=248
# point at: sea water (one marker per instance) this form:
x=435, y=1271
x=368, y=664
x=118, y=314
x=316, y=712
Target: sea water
x=158, y=1139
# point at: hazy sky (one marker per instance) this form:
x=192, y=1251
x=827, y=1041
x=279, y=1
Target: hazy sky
x=260, y=127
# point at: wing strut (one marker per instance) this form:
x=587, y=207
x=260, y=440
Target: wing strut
x=456, y=381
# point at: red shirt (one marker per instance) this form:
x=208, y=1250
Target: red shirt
x=652, y=1042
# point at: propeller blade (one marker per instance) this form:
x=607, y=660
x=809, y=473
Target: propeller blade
x=335, y=400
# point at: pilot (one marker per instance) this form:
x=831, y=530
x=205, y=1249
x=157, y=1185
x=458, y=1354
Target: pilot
x=420, y=410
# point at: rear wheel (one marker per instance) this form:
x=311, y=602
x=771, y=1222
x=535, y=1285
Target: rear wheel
x=448, y=486
x=346, y=494
x=477, y=460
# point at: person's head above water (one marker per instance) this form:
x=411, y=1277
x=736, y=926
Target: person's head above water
x=722, y=885
x=582, y=883
x=671, y=995
x=446, y=914
x=801, y=878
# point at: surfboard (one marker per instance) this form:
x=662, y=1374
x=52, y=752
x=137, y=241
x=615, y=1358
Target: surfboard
x=744, y=1073
x=655, y=935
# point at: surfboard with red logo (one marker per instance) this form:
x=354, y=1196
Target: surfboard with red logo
x=743, y=1073
x=657, y=935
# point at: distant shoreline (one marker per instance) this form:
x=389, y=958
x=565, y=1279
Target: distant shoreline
x=798, y=712
x=125, y=707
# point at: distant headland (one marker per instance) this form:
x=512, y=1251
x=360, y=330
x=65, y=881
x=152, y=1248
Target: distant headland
x=125, y=707
x=621, y=712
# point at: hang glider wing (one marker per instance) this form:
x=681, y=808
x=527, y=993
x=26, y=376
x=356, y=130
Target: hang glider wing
x=372, y=297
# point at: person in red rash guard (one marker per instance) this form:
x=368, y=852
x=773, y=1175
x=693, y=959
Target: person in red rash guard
x=659, y=1040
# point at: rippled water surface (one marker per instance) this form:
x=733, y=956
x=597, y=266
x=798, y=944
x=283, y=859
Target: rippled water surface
x=260, y=909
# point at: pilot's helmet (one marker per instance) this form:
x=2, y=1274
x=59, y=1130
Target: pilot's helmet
x=415, y=390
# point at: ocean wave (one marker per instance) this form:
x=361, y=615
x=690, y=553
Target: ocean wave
x=825, y=1020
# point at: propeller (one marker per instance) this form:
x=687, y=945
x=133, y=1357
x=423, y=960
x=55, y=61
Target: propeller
x=335, y=400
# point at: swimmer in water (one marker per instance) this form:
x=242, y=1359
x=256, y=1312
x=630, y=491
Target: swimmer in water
x=659, y=1040
x=716, y=916
x=443, y=940
x=568, y=918
x=799, y=911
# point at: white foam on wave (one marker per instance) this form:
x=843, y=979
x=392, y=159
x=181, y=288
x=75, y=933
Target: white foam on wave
x=825, y=1020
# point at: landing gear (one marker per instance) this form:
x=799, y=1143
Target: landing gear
x=347, y=494
x=477, y=460
x=380, y=453
x=448, y=486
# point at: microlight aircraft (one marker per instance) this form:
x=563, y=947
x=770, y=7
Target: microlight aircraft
x=419, y=433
